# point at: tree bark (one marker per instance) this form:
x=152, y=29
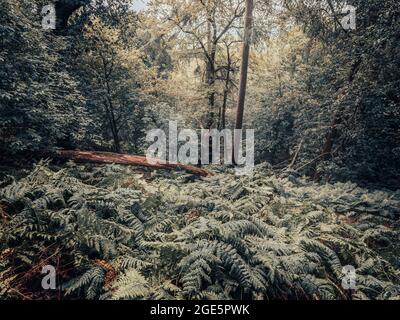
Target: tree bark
x=226, y=90
x=333, y=133
x=125, y=159
x=248, y=30
x=110, y=108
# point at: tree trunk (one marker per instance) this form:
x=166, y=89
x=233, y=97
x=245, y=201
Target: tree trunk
x=124, y=159
x=211, y=72
x=226, y=89
x=110, y=109
x=248, y=30
x=333, y=133
x=211, y=78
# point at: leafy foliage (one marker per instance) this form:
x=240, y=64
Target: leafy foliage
x=324, y=102
x=329, y=105
x=166, y=238
x=35, y=110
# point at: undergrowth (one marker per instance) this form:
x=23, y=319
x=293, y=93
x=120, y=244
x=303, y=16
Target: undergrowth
x=114, y=232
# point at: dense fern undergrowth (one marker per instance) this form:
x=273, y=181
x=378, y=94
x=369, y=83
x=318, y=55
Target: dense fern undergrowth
x=116, y=232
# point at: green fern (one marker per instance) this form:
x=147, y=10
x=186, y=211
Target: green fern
x=130, y=285
x=223, y=237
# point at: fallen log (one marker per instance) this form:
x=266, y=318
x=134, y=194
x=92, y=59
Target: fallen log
x=126, y=159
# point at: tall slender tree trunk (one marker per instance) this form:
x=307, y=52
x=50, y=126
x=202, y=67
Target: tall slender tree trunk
x=110, y=109
x=113, y=122
x=226, y=93
x=223, y=109
x=333, y=133
x=248, y=30
x=211, y=73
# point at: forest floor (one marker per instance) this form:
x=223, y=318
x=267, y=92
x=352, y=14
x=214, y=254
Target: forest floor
x=117, y=232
